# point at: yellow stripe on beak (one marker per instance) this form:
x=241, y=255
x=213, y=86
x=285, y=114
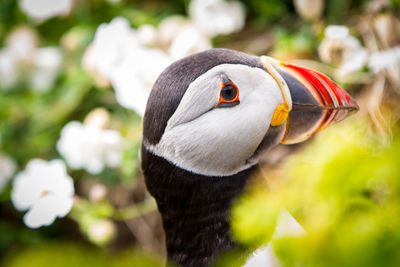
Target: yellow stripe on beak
x=281, y=113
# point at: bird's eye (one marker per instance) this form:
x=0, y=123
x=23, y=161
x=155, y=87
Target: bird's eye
x=229, y=95
x=229, y=92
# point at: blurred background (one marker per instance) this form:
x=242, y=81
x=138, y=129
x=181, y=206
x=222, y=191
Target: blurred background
x=74, y=80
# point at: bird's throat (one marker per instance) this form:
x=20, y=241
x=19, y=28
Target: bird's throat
x=194, y=208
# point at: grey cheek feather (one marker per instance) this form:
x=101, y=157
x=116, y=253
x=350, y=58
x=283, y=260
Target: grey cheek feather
x=196, y=102
x=215, y=145
x=199, y=153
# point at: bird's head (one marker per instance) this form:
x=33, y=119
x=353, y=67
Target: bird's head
x=214, y=112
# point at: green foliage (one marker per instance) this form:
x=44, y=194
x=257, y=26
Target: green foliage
x=254, y=228
x=75, y=255
x=395, y=3
x=344, y=190
x=268, y=11
x=233, y=258
x=294, y=44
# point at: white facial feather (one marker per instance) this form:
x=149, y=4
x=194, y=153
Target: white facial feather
x=219, y=141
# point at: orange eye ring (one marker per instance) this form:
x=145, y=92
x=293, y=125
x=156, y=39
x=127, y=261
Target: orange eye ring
x=229, y=95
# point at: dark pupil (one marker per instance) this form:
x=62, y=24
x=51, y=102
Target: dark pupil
x=228, y=92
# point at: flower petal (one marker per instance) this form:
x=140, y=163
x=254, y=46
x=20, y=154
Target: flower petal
x=40, y=177
x=26, y=191
x=45, y=211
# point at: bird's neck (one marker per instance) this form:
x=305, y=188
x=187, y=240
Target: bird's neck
x=194, y=208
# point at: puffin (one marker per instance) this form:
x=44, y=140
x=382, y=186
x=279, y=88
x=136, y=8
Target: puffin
x=208, y=119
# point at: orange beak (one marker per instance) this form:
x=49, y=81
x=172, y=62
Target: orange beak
x=317, y=102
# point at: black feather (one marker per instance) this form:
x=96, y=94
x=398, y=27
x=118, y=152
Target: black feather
x=194, y=209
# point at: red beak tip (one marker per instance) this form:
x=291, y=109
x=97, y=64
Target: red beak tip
x=336, y=102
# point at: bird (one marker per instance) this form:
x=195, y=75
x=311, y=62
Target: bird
x=208, y=119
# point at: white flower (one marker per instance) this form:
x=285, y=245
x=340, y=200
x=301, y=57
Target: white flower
x=353, y=61
x=135, y=76
x=45, y=189
x=337, y=32
x=22, y=43
x=169, y=28
x=20, y=46
x=180, y=37
x=8, y=69
x=147, y=34
x=7, y=170
x=217, y=16
x=102, y=231
x=384, y=59
x=47, y=62
x=339, y=47
x=97, y=193
x=45, y=9
x=89, y=147
x=21, y=59
x=187, y=42
x=309, y=9
x=118, y=54
x=111, y=43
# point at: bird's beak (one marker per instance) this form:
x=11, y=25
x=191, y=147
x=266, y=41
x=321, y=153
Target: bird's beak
x=312, y=100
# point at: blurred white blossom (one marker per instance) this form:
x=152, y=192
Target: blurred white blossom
x=169, y=28
x=45, y=189
x=111, y=43
x=45, y=9
x=353, y=61
x=309, y=9
x=338, y=32
x=188, y=41
x=217, y=16
x=8, y=69
x=89, y=147
x=135, y=76
x=118, y=54
x=7, y=170
x=147, y=34
x=339, y=47
x=102, y=231
x=46, y=62
x=97, y=192
x=22, y=43
x=20, y=46
x=97, y=118
x=176, y=35
x=181, y=37
x=384, y=59
x=22, y=59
